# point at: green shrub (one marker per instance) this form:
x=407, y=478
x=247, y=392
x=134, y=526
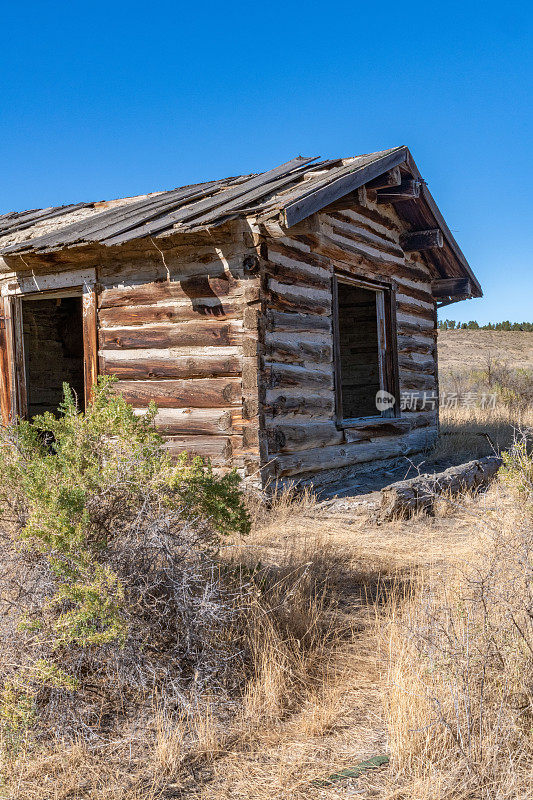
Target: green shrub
x=108, y=558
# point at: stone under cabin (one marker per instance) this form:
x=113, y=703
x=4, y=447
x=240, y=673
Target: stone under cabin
x=284, y=323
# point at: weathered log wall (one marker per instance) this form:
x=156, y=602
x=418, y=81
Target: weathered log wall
x=230, y=331
x=172, y=325
x=302, y=434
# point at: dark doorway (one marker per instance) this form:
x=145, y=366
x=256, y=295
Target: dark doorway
x=53, y=351
x=359, y=350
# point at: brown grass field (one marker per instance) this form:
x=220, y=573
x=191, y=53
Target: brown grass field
x=411, y=639
x=460, y=351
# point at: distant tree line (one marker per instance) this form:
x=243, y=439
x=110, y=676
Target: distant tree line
x=452, y=325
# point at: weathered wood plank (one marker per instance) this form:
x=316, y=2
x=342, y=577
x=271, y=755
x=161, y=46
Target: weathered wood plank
x=287, y=263
x=370, y=429
x=196, y=392
x=281, y=402
x=196, y=333
x=287, y=375
x=198, y=363
x=299, y=298
x=416, y=344
x=217, y=449
x=317, y=459
x=405, y=498
x=351, y=178
x=362, y=236
x=192, y=288
x=90, y=342
x=284, y=321
x=124, y=316
x=410, y=379
x=418, y=365
x=298, y=348
x=287, y=437
x=421, y=240
x=450, y=287
x=195, y=421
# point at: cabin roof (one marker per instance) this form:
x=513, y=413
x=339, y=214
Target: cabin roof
x=295, y=190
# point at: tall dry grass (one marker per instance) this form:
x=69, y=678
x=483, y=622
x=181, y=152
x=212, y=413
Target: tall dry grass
x=361, y=639
x=459, y=695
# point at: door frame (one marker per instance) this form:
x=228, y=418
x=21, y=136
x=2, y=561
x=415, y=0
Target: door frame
x=72, y=283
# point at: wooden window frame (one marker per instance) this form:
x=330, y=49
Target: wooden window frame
x=387, y=344
x=13, y=384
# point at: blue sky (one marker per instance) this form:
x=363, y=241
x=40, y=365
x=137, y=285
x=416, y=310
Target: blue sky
x=103, y=100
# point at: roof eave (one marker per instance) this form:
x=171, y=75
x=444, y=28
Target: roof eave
x=316, y=200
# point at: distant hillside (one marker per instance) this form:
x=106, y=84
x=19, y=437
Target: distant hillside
x=462, y=350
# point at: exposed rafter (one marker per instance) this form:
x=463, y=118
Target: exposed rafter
x=409, y=189
x=451, y=287
x=393, y=177
x=422, y=240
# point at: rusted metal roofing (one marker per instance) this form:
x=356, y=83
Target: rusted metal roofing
x=295, y=189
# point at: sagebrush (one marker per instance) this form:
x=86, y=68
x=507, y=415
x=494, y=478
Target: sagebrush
x=110, y=585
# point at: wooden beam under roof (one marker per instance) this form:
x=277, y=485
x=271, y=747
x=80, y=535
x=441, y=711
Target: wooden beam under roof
x=451, y=287
x=421, y=240
x=409, y=189
x=393, y=177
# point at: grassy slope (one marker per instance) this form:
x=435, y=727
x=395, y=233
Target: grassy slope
x=460, y=351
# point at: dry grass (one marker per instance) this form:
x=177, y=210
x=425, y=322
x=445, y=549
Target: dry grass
x=336, y=673
x=461, y=350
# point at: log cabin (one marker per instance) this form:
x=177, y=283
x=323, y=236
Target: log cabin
x=278, y=320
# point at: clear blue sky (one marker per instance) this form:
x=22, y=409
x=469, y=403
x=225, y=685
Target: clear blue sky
x=102, y=100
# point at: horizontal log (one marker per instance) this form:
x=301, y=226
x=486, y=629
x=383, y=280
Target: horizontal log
x=217, y=449
x=287, y=375
x=175, y=312
x=363, y=263
x=409, y=189
x=346, y=244
x=361, y=236
x=345, y=455
x=310, y=269
x=375, y=219
x=424, y=365
x=165, y=364
x=303, y=274
x=195, y=421
x=416, y=310
x=414, y=344
x=194, y=287
x=285, y=321
x=296, y=349
x=451, y=287
x=411, y=322
x=196, y=333
x=405, y=498
x=421, y=240
x=410, y=379
x=299, y=298
x=196, y=392
x=286, y=437
x=279, y=403
x=417, y=293
x=370, y=429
